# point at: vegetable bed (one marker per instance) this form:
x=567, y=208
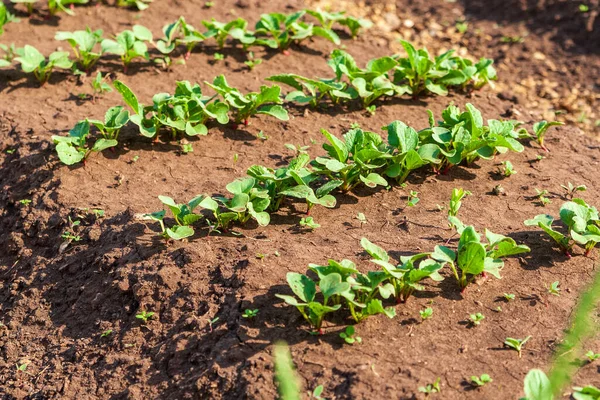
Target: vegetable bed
x=104, y=296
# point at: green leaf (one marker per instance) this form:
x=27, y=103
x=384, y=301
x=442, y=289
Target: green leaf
x=274, y=110
x=129, y=97
x=537, y=386
x=68, y=154
x=103, y=144
x=471, y=258
x=374, y=251
x=179, y=232
x=302, y=286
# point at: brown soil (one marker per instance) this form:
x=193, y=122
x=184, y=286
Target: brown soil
x=54, y=306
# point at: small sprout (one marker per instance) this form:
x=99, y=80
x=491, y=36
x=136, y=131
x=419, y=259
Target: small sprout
x=583, y=8
x=99, y=85
x=431, y=387
x=508, y=169
x=135, y=159
x=498, y=309
x=309, y=223
x=371, y=109
x=349, y=335
x=10, y=151
x=98, y=212
x=187, y=148
x=106, y=333
x=426, y=313
x=554, y=289
x=462, y=27
x=252, y=62
x=475, y=319
x=508, y=296
x=22, y=367
x=69, y=235
x=361, y=217
x=25, y=202
x=296, y=149
x=260, y=256
x=211, y=322
x=591, y=356
x=250, y=313
x=218, y=56
x=413, y=198
x=480, y=380
x=541, y=128
x=144, y=315
x=261, y=135
x=276, y=253
x=572, y=189
x=316, y=394
x=541, y=196
x=516, y=344
x=236, y=157
x=209, y=4
x=539, y=157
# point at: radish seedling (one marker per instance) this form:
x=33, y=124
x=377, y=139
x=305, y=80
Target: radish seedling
x=481, y=380
x=541, y=128
x=431, y=387
x=582, y=221
x=114, y=119
x=353, y=160
x=316, y=394
x=589, y=392
x=474, y=257
x=73, y=148
x=83, y=44
x=516, y=344
x=106, y=333
x=312, y=91
x=252, y=62
x=99, y=85
x=32, y=61
x=248, y=201
x=129, y=45
x=541, y=196
x=349, y=335
x=264, y=102
x=220, y=31
x=404, y=278
x=313, y=311
x=508, y=296
x=413, y=198
x=54, y=6
x=179, y=32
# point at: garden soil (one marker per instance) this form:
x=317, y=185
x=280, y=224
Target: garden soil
x=57, y=299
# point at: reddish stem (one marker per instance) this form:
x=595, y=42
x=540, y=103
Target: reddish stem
x=286, y=53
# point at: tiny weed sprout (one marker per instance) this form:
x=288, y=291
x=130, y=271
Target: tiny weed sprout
x=475, y=319
x=554, y=289
x=361, y=218
x=426, y=313
x=541, y=196
x=431, y=387
x=481, y=380
x=349, y=335
x=584, y=8
x=512, y=39
x=371, y=109
x=571, y=189
x=592, y=356
x=541, y=128
x=129, y=45
x=83, y=44
x=516, y=344
x=508, y=296
x=145, y=315
x=187, y=148
x=508, y=169
x=106, y=333
x=498, y=190
x=252, y=62
x=25, y=202
x=413, y=198
x=69, y=235
x=250, y=313
x=32, y=61
x=309, y=222
x=99, y=85
x=218, y=56
x=582, y=222
x=462, y=27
